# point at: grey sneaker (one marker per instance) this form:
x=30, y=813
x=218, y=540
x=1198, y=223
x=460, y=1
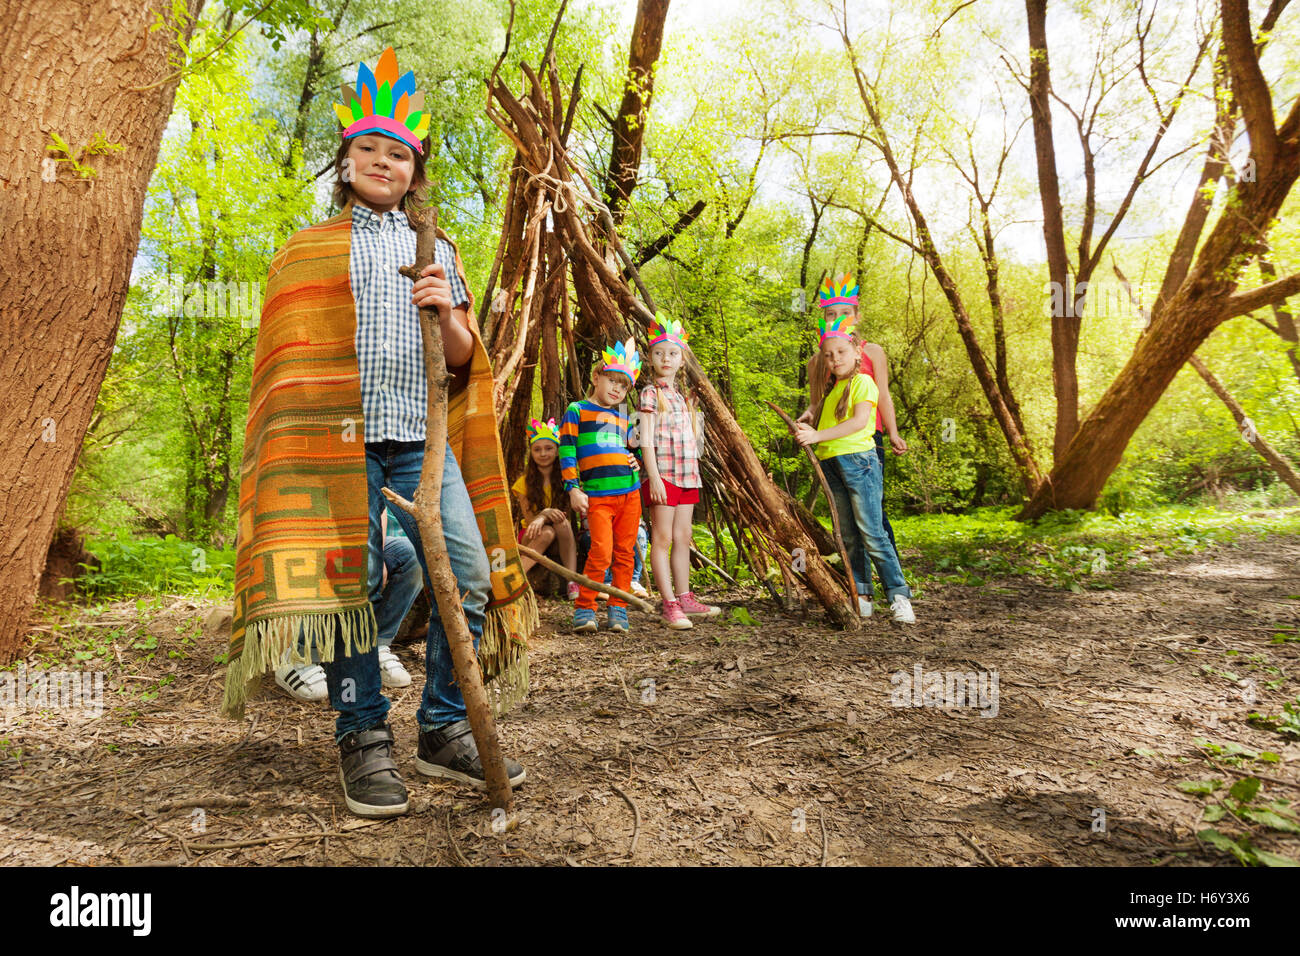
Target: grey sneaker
x=451, y=753
x=372, y=786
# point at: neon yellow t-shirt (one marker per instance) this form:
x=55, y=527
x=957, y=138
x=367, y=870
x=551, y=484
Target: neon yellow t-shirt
x=862, y=388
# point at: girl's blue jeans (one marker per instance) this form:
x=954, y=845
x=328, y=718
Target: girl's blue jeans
x=353, y=681
x=857, y=485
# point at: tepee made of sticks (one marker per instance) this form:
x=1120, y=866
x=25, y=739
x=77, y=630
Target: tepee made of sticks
x=561, y=279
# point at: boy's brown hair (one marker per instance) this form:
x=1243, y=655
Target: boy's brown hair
x=417, y=197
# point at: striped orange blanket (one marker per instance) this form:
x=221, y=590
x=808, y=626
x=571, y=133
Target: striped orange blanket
x=302, y=544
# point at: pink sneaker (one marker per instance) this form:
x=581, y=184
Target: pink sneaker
x=573, y=590
x=690, y=605
x=673, y=616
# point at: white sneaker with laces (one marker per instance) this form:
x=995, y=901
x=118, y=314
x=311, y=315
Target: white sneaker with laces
x=864, y=605
x=391, y=671
x=902, y=608
x=303, y=682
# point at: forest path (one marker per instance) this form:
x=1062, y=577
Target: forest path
x=756, y=739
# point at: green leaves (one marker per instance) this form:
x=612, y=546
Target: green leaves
x=1244, y=791
x=1199, y=786
x=1239, y=805
x=1287, y=723
x=98, y=145
x=740, y=615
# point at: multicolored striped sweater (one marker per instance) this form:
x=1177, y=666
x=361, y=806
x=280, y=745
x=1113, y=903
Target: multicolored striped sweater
x=593, y=450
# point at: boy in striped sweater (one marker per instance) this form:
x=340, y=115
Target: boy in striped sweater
x=600, y=476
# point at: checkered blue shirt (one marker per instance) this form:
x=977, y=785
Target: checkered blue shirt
x=390, y=351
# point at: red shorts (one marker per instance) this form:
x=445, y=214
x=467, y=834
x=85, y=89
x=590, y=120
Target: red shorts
x=676, y=496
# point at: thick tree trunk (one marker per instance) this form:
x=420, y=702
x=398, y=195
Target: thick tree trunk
x=69, y=246
x=1197, y=308
x=1204, y=299
x=1065, y=324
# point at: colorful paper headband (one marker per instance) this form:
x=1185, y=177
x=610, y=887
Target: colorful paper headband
x=623, y=358
x=542, y=431
x=831, y=293
x=664, y=329
x=388, y=104
x=841, y=325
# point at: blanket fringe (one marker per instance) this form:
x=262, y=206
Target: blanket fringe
x=503, y=651
x=267, y=640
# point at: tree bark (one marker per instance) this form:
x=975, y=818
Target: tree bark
x=70, y=243
x=1065, y=324
x=1174, y=336
x=629, y=124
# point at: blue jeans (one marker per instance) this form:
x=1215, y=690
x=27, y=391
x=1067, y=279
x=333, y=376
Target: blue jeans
x=405, y=582
x=889, y=529
x=354, y=683
x=857, y=485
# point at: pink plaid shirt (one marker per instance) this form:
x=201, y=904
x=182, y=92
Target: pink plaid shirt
x=677, y=454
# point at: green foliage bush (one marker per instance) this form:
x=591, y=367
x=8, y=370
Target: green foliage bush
x=131, y=566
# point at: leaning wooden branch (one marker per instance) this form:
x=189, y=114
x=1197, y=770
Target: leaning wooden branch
x=830, y=500
x=582, y=579
x=426, y=509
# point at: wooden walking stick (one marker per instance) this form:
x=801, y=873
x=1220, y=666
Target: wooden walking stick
x=426, y=509
x=835, y=518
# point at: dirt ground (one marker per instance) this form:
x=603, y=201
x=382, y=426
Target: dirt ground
x=767, y=744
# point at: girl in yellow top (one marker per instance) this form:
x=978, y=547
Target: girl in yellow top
x=844, y=407
x=543, y=504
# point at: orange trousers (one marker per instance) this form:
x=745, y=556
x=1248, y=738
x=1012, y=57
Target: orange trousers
x=612, y=521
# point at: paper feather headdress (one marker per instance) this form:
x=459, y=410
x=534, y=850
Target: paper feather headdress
x=384, y=102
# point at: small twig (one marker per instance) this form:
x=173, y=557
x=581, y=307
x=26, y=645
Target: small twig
x=975, y=846
x=185, y=847
x=260, y=841
x=830, y=725
x=691, y=777
x=626, y=694
x=708, y=563
x=454, y=845
x=248, y=736
x=636, y=820
x=217, y=800
x=821, y=816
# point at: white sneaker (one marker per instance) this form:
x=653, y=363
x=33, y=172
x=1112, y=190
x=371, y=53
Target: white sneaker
x=639, y=591
x=303, y=682
x=391, y=671
x=902, y=608
x=864, y=605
